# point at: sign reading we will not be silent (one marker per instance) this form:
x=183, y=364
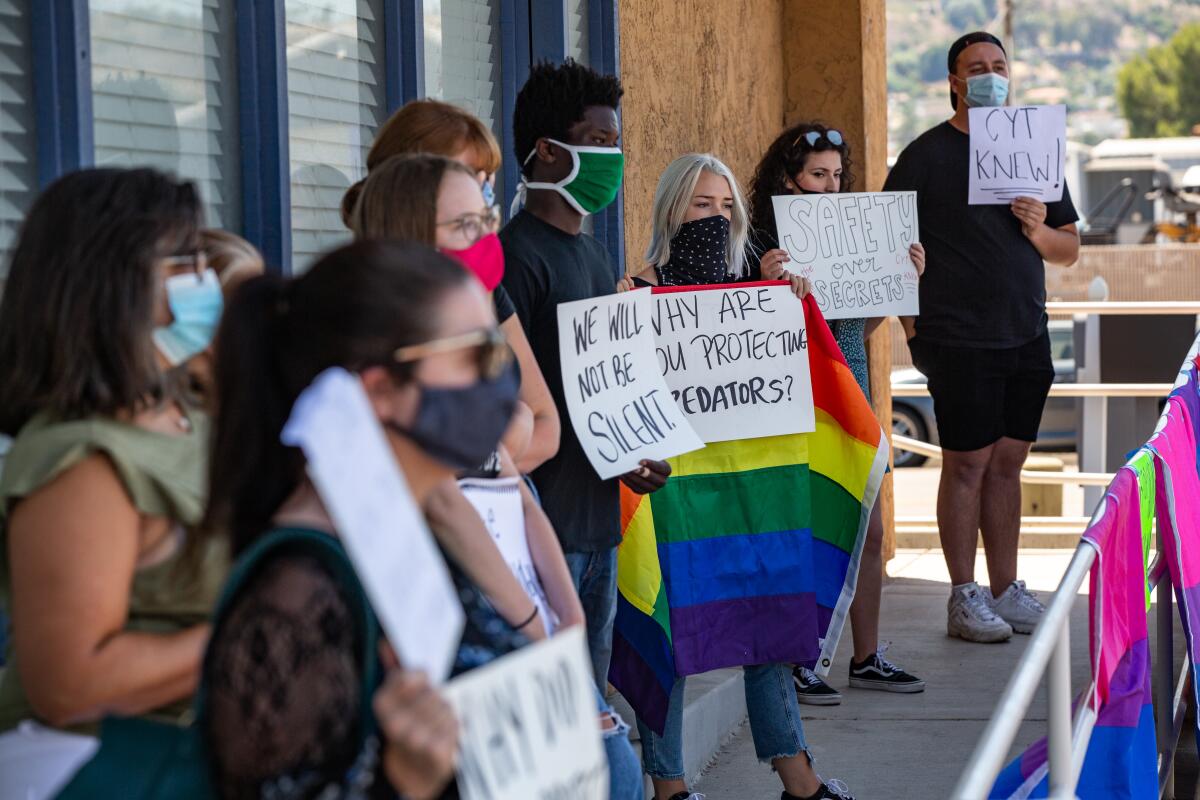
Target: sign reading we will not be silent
x=854, y=249
x=736, y=359
x=1017, y=151
x=620, y=407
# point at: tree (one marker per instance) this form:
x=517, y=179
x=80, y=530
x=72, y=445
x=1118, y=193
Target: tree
x=1159, y=92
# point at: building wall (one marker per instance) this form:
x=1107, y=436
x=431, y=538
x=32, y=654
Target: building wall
x=698, y=76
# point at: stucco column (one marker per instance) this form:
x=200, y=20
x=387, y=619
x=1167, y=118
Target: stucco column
x=835, y=71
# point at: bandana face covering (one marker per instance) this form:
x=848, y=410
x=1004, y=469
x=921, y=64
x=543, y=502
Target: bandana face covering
x=594, y=179
x=699, y=254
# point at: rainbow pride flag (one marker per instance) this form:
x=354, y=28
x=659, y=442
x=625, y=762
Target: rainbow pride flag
x=1121, y=755
x=750, y=554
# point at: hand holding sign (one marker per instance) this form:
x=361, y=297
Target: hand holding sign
x=1017, y=151
x=619, y=404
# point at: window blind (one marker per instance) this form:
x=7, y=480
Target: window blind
x=18, y=171
x=577, y=30
x=163, y=94
x=335, y=61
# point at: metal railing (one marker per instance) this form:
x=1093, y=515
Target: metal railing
x=1063, y=389
x=1027, y=476
x=1049, y=653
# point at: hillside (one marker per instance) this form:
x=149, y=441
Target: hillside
x=1066, y=51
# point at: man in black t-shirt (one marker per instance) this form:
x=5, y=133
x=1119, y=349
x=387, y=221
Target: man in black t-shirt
x=981, y=342
x=566, y=131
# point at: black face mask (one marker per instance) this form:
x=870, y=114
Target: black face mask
x=461, y=427
x=699, y=253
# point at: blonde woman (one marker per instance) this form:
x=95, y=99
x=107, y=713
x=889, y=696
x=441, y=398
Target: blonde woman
x=699, y=236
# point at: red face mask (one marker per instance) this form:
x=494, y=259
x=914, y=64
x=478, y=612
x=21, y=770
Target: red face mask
x=485, y=259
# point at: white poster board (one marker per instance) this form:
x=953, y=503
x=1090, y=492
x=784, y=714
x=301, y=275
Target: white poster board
x=619, y=405
x=736, y=360
x=854, y=249
x=384, y=532
x=529, y=725
x=1017, y=151
x=498, y=503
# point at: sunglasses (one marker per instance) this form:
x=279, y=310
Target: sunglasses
x=492, y=353
x=812, y=137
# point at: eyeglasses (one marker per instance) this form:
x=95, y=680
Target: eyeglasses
x=194, y=262
x=473, y=227
x=812, y=137
x=493, y=354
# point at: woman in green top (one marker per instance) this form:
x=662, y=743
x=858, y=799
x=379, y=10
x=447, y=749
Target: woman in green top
x=105, y=479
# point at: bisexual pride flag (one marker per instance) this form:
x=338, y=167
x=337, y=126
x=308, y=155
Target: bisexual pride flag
x=750, y=553
x=1121, y=757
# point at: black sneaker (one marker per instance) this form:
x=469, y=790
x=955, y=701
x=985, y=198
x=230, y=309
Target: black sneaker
x=834, y=790
x=813, y=691
x=880, y=674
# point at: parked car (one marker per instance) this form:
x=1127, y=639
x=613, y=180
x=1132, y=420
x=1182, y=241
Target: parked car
x=913, y=416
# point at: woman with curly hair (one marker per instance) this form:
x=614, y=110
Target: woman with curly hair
x=812, y=158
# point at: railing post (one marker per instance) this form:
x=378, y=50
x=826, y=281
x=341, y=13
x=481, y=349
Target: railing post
x=1058, y=699
x=1164, y=680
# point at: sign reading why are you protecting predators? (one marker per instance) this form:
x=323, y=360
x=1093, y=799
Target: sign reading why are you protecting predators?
x=735, y=359
x=854, y=249
x=1017, y=151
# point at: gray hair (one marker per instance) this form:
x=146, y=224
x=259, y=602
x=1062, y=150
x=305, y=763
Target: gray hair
x=674, y=195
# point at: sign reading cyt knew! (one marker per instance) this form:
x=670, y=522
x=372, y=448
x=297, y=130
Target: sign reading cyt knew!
x=619, y=404
x=528, y=725
x=1017, y=151
x=854, y=249
x=736, y=359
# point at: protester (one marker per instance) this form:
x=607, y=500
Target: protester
x=419, y=332
x=107, y=586
x=390, y=302
x=982, y=343
x=810, y=158
x=699, y=234
x=431, y=126
x=438, y=202
x=566, y=130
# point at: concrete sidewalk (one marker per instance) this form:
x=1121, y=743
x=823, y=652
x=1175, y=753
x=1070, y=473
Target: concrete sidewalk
x=908, y=746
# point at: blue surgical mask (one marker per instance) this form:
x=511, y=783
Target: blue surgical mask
x=489, y=193
x=195, y=302
x=987, y=90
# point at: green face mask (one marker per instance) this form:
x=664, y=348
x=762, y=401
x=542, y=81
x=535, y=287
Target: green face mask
x=594, y=179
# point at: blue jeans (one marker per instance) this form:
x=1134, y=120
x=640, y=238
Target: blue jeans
x=595, y=578
x=624, y=771
x=774, y=722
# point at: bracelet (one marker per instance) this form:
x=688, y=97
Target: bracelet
x=531, y=618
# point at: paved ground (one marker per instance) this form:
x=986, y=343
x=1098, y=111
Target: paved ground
x=909, y=746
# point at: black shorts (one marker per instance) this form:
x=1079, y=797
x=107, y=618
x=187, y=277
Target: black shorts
x=981, y=396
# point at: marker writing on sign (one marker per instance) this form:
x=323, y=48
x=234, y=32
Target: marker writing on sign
x=724, y=396
x=841, y=225
x=1022, y=162
x=637, y=424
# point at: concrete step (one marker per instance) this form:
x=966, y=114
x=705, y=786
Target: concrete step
x=714, y=707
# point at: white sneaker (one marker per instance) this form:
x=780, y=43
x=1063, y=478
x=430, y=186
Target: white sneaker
x=969, y=616
x=1019, y=607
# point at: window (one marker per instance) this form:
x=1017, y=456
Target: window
x=18, y=171
x=335, y=62
x=462, y=58
x=577, y=30
x=163, y=78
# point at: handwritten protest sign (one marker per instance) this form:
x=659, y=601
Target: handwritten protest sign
x=1017, y=151
x=377, y=519
x=854, y=249
x=528, y=725
x=736, y=360
x=619, y=405
x=498, y=503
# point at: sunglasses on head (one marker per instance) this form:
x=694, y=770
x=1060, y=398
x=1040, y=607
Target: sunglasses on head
x=831, y=136
x=492, y=353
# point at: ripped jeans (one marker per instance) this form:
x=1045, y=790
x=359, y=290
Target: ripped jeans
x=774, y=722
x=624, y=772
